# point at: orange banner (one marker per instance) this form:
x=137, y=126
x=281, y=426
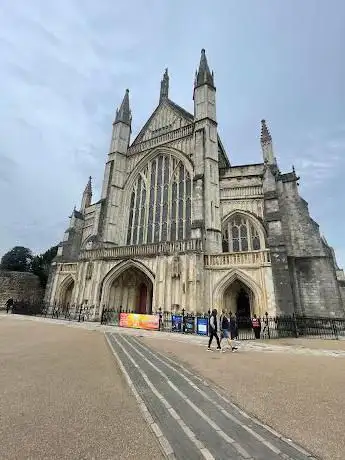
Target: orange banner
x=138, y=321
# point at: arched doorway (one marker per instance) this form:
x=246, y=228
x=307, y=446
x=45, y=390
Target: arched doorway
x=131, y=290
x=239, y=300
x=242, y=304
x=67, y=292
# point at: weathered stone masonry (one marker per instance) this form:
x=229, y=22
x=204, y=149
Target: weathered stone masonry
x=178, y=226
x=19, y=286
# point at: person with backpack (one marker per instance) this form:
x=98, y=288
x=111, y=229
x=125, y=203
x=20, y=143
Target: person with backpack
x=225, y=331
x=213, y=328
x=233, y=331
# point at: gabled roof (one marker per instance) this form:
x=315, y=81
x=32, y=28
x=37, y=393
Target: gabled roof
x=175, y=107
x=181, y=110
x=223, y=158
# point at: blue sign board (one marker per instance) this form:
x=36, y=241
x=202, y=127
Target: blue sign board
x=189, y=325
x=202, y=326
x=176, y=323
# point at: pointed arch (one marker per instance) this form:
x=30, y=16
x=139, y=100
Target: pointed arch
x=117, y=271
x=228, y=280
x=158, y=207
x=140, y=166
x=242, y=231
x=88, y=241
x=63, y=288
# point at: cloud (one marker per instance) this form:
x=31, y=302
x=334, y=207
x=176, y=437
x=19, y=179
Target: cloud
x=321, y=158
x=8, y=168
x=65, y=66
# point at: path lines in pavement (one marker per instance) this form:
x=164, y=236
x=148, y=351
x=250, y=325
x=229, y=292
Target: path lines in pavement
x=165, y=360
x=194, y=419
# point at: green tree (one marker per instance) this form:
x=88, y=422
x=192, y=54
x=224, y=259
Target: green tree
x=41, y=264
x=18, y=259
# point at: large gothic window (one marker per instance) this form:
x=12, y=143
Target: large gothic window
x=160, y=203
x=239, y=234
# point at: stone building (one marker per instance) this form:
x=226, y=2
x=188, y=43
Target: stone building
x=178, y=226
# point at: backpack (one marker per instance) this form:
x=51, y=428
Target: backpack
x=225, y=323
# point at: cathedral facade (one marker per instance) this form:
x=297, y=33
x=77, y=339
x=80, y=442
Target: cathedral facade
x=178, y=226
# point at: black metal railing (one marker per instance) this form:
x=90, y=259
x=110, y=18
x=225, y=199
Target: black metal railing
x=194, y=323
x=56, y=311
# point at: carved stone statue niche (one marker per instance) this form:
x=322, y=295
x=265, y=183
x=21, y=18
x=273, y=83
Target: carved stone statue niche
x=176, y=268
x=89, y=270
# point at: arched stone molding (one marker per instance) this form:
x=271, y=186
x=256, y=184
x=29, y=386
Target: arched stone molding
x=116, y=271
x=228, y=279
x=63, y=287
x=138, y=171
x=257, y=223
x=88, y=242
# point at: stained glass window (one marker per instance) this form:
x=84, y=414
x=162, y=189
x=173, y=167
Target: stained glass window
x=161, y=203
x=239, y=235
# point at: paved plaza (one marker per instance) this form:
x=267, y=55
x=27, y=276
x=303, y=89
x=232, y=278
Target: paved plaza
x=194, y=421
x=296, y=388
x=62, y=396
x=65, y=394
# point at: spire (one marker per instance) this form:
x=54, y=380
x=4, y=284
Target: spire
x=88, y=188
x=267, y=145
x=87, y=195
x=265, y=134
x=164, y=94
x=124, y=114
x=204, y=76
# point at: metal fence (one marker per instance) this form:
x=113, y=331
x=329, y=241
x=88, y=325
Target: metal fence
x=184, y=322
x=57, y=311
x=271, y=327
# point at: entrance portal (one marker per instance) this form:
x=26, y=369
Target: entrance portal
x=66, y=295
x=132, y=291
x=242, y=304
x=239, y=299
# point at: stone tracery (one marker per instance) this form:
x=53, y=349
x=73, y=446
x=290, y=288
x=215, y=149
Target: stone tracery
x=160, y=204
x=240, y=234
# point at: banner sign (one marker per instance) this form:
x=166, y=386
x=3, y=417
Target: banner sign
x=176, y=323
x=202, y=326
x=189, y=324
x=138, y=321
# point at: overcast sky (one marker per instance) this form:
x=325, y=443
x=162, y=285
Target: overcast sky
x=66, y=64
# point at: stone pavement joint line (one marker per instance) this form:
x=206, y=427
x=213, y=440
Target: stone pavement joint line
x=165, y=360
x=219, y=431
x=177, y=402
x=164, y=443
x=206, y=454
x=226, y=413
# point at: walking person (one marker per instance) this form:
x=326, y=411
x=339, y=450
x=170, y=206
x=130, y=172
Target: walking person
x=233, y=328
x=213, y=330
x=256, y=324
x=266, y=328
x=9, y=305
x=225, y=331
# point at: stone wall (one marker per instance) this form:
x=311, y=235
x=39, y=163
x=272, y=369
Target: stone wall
x=311, y=265
x=341, y=285
x=318, y=287
x=19, y=286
